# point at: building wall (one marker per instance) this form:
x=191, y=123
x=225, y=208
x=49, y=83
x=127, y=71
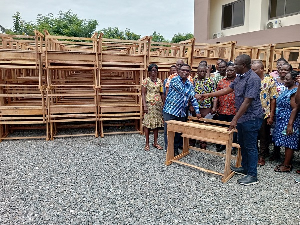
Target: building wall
x=208, y=20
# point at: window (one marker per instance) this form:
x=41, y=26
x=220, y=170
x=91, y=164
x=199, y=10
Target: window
x=280, y=8
x=233, y=14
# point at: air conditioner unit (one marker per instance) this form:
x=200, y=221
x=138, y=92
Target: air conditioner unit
x=273, y=24
x=217, y=35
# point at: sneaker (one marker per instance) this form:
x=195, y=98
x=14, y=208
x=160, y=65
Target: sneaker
x=248, y=180
x=238, y=170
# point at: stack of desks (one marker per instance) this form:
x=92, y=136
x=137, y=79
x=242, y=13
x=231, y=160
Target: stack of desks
x=71, y=69
x=122, y=67
x=52, y=82
x=22, y=95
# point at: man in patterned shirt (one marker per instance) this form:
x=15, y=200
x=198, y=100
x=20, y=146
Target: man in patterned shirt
x=176, y=105
x=268, y=95
x=179, y=63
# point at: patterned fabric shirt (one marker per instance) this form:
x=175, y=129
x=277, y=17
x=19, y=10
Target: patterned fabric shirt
x=153, y=89
x=217, y=77
x=248, y=85
x=190, y=78
x=203, y=86
x=268, y=92
x=226, y=103
x=178, y=97
x=280, y=87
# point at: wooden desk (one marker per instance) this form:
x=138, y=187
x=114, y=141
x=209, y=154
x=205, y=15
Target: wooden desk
x=203, y=132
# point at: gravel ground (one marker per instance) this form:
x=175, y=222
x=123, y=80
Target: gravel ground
x=112, y=180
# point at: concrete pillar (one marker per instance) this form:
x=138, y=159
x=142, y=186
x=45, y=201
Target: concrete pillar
x=201, y=20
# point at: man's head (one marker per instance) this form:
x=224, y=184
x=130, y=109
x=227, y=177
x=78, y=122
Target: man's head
x=203, y=63
x=201, y=71
x=184, y=71
x=258, y=67
x=179, y=63
x=242, y=64
x=222, y=68
x=173, y=69
x=218, y=62
x=230, y=71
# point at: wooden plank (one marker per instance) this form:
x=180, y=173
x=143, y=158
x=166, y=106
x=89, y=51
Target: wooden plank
x=196, y=167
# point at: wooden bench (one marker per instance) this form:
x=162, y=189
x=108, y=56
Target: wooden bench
x=203, y=132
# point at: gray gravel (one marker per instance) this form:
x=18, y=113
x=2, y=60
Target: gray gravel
x=112, y=180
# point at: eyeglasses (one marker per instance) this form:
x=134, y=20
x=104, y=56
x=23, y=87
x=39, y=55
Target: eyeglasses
x=230, y=71
x=183, y=70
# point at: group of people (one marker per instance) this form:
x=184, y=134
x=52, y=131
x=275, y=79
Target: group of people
x=260, y=106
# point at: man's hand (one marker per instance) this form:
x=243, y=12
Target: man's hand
x=232, y=125
x=198, y=116
x=270, y=121
x=201, y=97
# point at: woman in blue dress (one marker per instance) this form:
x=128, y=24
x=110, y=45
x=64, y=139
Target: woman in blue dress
x=286, y=132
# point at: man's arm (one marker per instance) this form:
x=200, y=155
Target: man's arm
x=221, y=92
x=245, y=105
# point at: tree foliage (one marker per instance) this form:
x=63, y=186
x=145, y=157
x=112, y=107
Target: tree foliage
x=66, y=24
x=115, y=33
x=181, y=37
x=157, y=37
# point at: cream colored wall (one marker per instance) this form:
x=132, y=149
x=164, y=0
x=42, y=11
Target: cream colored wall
x=290, y=20
x=256, y=17
x=216, y=18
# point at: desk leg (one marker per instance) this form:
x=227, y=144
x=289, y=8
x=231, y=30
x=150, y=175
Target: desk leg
x=170, y=150
x=186, y=144
x=227, y=171
x=239, y=158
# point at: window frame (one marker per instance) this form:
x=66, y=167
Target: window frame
x=284, y=15
x=222, y=18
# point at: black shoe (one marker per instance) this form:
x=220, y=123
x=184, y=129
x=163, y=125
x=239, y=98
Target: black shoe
x=220, y=148
x=248, y=180
x=238, y=170
x=176, y=152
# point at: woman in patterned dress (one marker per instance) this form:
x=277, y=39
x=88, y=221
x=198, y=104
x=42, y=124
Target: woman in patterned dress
x=286, y=132
x=283, y=69
x=152, y=105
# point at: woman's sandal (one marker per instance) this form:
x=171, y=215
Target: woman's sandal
x=147, y=148
x=283, y=168
x=158, y=147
